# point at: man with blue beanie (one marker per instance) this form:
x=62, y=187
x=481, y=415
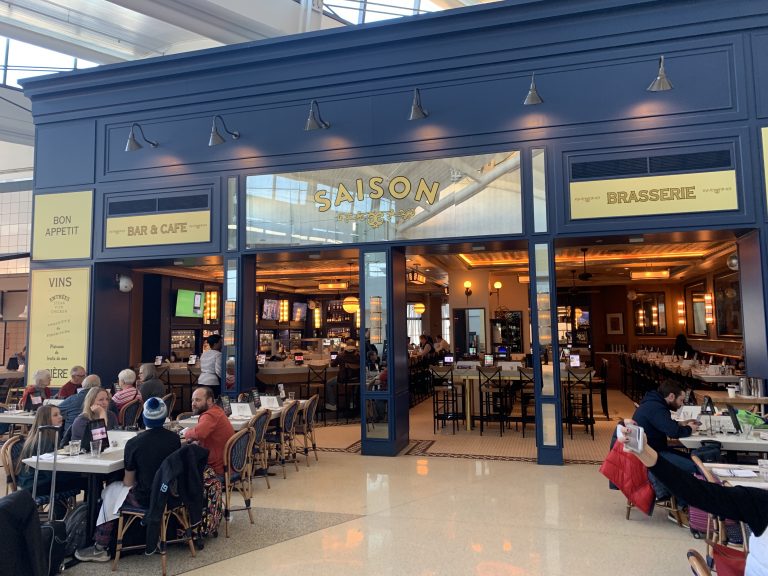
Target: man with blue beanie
x=144, y=455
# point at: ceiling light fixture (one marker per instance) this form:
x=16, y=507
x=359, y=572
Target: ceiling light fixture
x=341, y=285
x=649, y=274
x=132, y=144
x=261, y=287
x=417, y=111
x=415, y=277
x=533, y=98
x=216, y=138
x=524, y=279
x=314, y=120
x=419, y=308
x=661, y=83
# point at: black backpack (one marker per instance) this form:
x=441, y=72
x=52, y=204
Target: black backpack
x=76, y=524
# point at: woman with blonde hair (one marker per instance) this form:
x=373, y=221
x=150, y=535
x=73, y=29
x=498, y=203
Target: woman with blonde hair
x=95, y=417
x=46, y=416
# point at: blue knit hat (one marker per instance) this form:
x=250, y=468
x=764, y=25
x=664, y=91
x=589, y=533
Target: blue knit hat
x=155, y=413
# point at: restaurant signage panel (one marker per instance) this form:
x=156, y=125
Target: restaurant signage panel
x=158, y=229
x=62, y=226
x=652, y=195
x=58, y=321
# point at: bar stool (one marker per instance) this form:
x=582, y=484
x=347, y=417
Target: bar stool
x=579, y=387
x=317, y=377
x=527, y=386
x=495, y=398
x=348, y=381
x=445, y=398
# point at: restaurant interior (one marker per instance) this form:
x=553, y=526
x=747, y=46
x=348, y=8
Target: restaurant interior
x=614, y=295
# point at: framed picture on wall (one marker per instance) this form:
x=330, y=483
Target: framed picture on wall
x=615, y=323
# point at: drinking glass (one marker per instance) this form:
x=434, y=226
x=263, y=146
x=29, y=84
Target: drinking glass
x=96, y=448
x=74, y=447
x=291, y=395
x=763, y=467
x=747, y=428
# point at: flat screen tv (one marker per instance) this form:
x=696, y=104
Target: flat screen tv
x=299, y=312
x=271, y=309
x=189, y=304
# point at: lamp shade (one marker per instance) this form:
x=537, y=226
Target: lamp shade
x=419, y=308
x=350, y=304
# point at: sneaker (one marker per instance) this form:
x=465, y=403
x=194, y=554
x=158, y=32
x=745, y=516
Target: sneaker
x=93, y=553
x=329, y=406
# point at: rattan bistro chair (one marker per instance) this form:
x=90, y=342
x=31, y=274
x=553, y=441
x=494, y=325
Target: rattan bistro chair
x=698, y=564
x=130, y=413
x=259, y=460
x=170, y=402
x=282, y=436
x=305, y=427
x=237, y=473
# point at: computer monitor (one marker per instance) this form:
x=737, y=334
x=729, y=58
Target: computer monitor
x=733, y=413
x=334, y=355
x=261, y=359
x=575, y=360
x=488, y=360
x=472, y=351
x=448, y=360
x=298, y=359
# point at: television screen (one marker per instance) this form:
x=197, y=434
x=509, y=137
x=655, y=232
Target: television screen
x=271, y=310
x=189, y=304
x=488, y=360
x=299, y=312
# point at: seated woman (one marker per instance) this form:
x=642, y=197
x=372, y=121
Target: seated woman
x=427, y=352
x=46, y=416
x=37, y=392
x=682, y=348
x=95, y=416
x=748, y=505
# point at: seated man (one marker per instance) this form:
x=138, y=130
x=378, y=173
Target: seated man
x=213, y=427
x=150, y=385
x=654, y=416
x=144, y=455
x=348, y=361
x=76, y=375
x=72, y=407
x=128, y=391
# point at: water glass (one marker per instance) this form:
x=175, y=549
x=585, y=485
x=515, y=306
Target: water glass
x=74, y=447
x=95, y=448
x=747, y=429
x=763, y=467
x=291, y=395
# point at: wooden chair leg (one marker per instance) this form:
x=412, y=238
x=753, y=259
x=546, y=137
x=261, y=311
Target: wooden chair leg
x=119, y=546
x=629, y=508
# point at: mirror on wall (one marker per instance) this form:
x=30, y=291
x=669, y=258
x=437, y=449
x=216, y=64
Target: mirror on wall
x=650, y=314
x=696, y=309
x=728, y=304
x=469, y=331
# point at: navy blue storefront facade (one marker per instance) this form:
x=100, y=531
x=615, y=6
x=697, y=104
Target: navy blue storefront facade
x=592, y=60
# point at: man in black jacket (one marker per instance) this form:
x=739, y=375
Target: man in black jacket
x=21, y=547
x=654, y=415
x=144, y=455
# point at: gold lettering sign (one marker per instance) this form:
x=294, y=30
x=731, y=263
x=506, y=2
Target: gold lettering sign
x=62, y=226
x=398, y=187
x=156, y=229
x=58, y=321
x=649, y=195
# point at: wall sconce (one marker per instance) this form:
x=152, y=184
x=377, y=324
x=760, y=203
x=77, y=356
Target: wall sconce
x=314, y=120
x=467, y=290
x=661, y=83
x=318, y=318
x=709, y=317
x=132, y=144
x=641, y=318
x=496, y=288
x=681, y=312
x=533, y=97
x=124, y=282
x=216, y=138
x=283, y=311
x=417, y=111
x=654, y=315
x=211, y=309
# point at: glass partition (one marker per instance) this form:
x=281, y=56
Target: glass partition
x=442, y=198
x=539, y=169
x=375, y=304
x=550, y=417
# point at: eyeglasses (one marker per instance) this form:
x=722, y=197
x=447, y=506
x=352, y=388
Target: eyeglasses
x=78, y=375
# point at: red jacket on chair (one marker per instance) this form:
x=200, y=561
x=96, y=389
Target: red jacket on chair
x=630, y=476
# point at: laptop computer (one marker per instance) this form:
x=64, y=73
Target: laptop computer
x=448, y=360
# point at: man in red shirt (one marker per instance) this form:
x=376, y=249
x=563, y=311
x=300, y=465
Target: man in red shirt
x=213, y=427
x=76, y=376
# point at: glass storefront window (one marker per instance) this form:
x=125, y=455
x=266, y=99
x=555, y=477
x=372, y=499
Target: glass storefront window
x=544, y=308
x=443, y=198
x=374, y=342
x=232, y=213
x=230, y=303
x=539, y=166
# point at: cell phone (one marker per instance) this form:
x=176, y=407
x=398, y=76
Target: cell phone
x=635, y=435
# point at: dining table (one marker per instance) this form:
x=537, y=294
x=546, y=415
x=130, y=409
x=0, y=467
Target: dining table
x=17, y=417
x=238, y=422
x=94, y=468
x=730, y=442
x=738, y=474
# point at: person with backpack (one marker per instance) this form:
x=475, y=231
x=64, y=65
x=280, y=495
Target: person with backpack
x=144, y=455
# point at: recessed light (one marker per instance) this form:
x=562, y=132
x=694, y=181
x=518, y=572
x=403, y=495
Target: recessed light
x=636, y=240
x=478, y=248
x=314, y=256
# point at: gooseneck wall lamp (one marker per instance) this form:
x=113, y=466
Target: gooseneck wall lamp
x=216, y=137
x=661, y=83
x=533, y=97
x=314, y=120
x=132, y=144
x=417, y=110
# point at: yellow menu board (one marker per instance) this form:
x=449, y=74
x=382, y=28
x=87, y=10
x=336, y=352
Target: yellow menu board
x=156, y=229
x=58, y=321
x=650, y=195
x=63, y=225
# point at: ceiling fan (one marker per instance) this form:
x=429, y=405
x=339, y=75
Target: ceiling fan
x=584, y=276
